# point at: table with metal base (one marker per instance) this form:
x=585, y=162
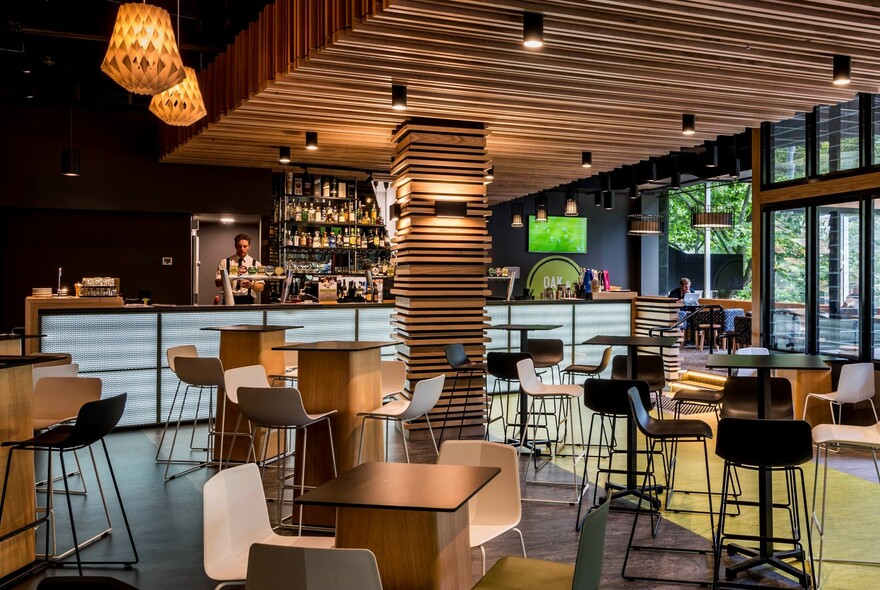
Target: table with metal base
x=632, y=343
x=764, y=365
x=523, y=330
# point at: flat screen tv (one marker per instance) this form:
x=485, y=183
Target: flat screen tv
x=564, y=235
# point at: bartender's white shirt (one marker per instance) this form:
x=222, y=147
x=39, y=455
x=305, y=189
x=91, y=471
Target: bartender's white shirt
x=236, y=288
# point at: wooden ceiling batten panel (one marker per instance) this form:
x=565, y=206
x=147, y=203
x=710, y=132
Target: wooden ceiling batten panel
x=440, y=285
x=613, y=78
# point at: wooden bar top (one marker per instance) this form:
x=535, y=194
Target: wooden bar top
x=16, y=360
x=402, y=486
x=251, y=328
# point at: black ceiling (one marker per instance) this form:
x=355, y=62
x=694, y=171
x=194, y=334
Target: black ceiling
x=51, y=50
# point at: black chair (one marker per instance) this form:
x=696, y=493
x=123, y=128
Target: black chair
x=670, y=433
x=547, y=353
x=778, y=446
x=588, y=370
x=458, y=360
x=607, y=399
x=649, y=368
x=502, y=366
x=740, y=398
x=95, y=421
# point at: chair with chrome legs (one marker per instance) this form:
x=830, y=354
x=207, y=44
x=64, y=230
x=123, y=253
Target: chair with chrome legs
x=94, y=422
x=856, y=384
x=588, y=370
x=291, y=369
x=547, y=353
x=650, y=370
x=234, y=379
x=669, y=432
x=865, y=438
x=281, y=408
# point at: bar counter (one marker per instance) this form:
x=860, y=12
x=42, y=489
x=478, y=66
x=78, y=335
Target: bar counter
x=126, y=346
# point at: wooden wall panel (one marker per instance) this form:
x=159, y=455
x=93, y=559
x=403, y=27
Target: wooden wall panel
x=440, y=286
x=658, y=312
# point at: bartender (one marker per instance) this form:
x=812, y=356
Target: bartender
x=243, y=289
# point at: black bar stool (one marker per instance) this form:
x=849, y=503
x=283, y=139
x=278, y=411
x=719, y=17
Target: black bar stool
x=776, y=446
x=670, y=433
x=502, y=366
x=95, y=421
x=458, y=360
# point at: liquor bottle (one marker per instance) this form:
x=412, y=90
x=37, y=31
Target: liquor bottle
x=316, y=241
x=307, y=184
x=298, y=186
x=325, y=187
x=325, y=240
x=297, y=211
x=376, y=239
x=331, y=242
x=319, y=212
x=373, y=214
x=288, y=241
x=334, y=188
x=340, y=190
x=316, y=187
x=296, y=239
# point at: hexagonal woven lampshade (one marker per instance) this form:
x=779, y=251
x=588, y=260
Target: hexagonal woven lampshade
x=142, y=56
x=181, y=105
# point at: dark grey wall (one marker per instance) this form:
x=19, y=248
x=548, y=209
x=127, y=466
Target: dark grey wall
x=608, y=246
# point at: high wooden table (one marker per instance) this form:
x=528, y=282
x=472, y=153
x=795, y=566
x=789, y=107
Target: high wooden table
x=413, y=517
x=240, y=346
x=764, y=365
x=14, y=344
x=632, y=343
x=16, y=423
x=344, y=376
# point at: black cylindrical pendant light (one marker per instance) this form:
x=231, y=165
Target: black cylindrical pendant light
x=311, y=140
x=398, y=97
x=711, y=156
x=688, y=124
x=284, y=155
x=533, y=29
x=587, y=159
x=69, y=162
x=516, y=215
x=842, y=65
x=608, y=200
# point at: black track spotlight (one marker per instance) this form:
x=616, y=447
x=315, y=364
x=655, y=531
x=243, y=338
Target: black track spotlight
x=533, y=30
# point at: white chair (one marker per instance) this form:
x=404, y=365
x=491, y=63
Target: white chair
x=837, y=435
x=273, y=567
x=233, y=379
x=753, y=350
x=282, y=408
x=236, y=517
x=291, y=368
x=68, y=370
x=425, y=396
x=393, y=378
x=172, y=354
x=539, y=393
x=856, y=385
x=497, y=508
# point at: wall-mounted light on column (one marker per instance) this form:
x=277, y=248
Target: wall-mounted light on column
x=311, y=140
x=394, y=212
x=455, y=209
x=688, y=124
x=489, y=175
x=842, y=65
x=587, y=159
x=398, y=97
x=541, y=209
x=516, y=215
x=533, y=29
x=284, y=155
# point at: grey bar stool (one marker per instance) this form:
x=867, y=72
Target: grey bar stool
x=281, y=408
x=202, y=373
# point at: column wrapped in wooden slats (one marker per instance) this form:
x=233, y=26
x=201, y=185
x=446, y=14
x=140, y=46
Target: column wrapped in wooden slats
x=440, y=284
x=659, y=312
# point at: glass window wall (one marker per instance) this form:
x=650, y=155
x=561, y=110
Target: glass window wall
x=837, y=129
x=788, y=280
x=787, y=143
x=838, y=281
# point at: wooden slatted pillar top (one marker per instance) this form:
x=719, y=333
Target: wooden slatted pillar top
x=440, y=284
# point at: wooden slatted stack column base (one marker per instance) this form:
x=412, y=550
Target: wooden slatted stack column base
x=440, y=284
x=659, y=312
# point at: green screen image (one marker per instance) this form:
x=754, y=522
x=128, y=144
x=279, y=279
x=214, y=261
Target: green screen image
x=559, y=234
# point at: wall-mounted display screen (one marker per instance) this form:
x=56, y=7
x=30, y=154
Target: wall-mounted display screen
x=566, y=235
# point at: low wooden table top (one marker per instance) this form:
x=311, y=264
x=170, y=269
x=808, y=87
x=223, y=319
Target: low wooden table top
x=632, y=340
x=251, y=328
x=402, y=486
x=801, y=362
x=336, y=345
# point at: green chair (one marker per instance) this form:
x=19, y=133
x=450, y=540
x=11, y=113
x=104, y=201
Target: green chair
x=518, y=573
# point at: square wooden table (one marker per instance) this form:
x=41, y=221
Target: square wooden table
x=764, y=365
x=413, y=517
